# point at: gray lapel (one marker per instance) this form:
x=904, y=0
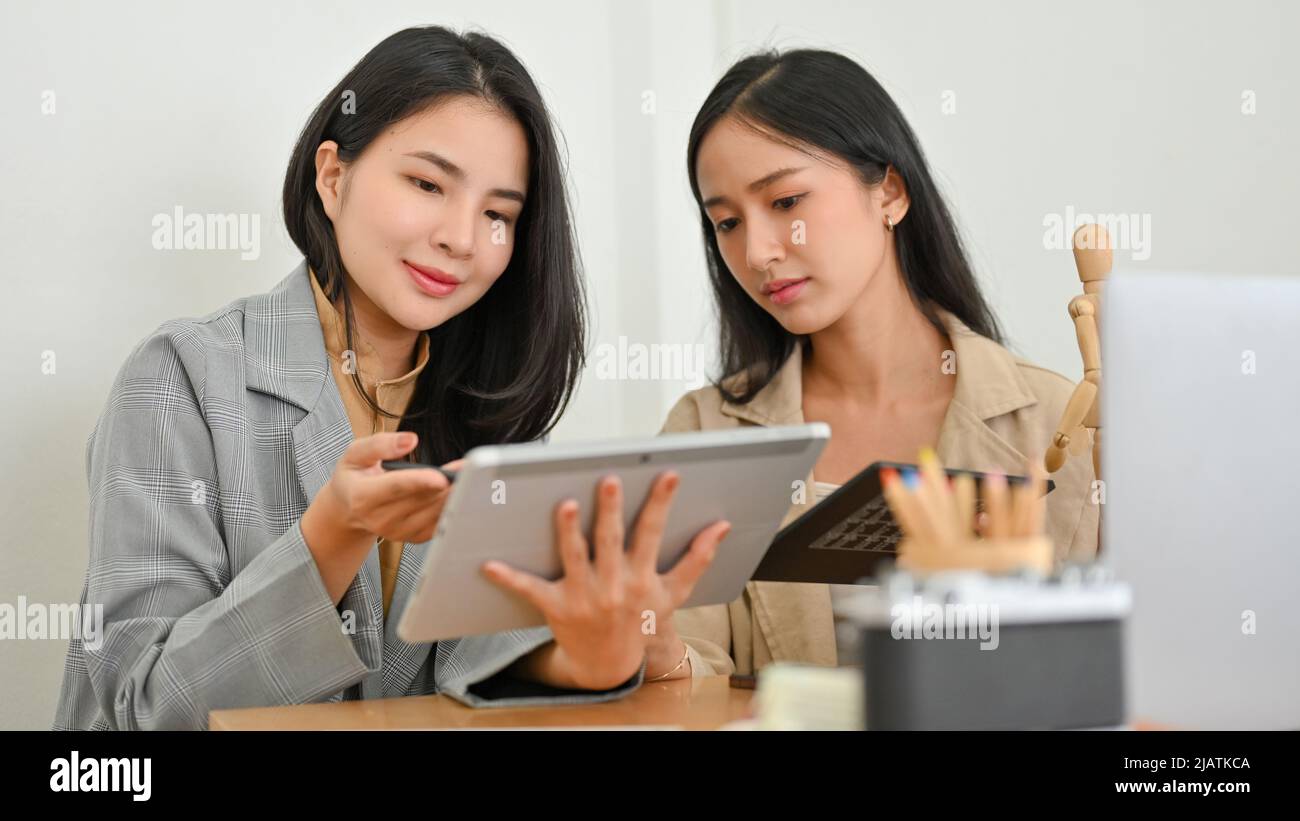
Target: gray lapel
x=284, y=357
x=403, y=661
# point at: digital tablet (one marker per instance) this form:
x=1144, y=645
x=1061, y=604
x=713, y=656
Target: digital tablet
x=503, y=501
x=846, y=535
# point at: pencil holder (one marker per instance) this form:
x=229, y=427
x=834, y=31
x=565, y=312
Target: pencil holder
x=971, y=650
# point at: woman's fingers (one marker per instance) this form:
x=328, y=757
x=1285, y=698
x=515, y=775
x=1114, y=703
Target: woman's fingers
x=681, y=579
x=400, y=504
x=608, y=532
x=536, y=591
x=395, y=502
x=650, y=522
x=404, y=486
x=370, y=450
x=570, y=544
x=420, y=525
x=403, y=520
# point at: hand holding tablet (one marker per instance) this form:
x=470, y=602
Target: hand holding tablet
x=611, y=586
x=555, y=557
x=360, y=503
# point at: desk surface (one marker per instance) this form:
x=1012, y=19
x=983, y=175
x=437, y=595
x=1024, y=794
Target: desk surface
x=693, y=704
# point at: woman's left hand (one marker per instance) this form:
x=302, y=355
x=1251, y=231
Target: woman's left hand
x=598, y=610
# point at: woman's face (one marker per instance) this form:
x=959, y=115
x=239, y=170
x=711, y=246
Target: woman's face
x=425, y=217
x=803, y=235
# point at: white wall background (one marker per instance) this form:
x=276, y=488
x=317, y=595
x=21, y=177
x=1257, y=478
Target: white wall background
x=1122, y=108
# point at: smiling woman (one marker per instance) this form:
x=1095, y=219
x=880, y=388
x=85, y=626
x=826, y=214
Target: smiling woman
x=444, y=164
x=247, y=548
x=410, y=216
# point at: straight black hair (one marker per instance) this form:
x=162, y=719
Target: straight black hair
x=504, y=369
x=820, y=100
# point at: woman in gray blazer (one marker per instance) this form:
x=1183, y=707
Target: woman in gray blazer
x=234, y=515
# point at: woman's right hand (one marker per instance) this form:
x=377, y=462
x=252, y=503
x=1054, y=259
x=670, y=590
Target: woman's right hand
x=607, y=611
x=362, y=502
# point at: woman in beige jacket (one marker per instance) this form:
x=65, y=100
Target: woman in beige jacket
x=844, y=296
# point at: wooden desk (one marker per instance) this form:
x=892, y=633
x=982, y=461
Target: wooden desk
x=699, y=704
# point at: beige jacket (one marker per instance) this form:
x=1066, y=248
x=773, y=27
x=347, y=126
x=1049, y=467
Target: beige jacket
x=1003, y=408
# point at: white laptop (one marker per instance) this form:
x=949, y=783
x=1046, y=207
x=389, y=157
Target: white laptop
x=1200, y=453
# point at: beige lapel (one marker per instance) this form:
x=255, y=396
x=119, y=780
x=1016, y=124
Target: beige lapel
x=989, y=385
x=795, y=621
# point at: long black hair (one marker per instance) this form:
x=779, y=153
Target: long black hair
x=504, y=369
x=821, y=100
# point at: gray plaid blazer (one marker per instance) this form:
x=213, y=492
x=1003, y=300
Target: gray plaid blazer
x=216, y=434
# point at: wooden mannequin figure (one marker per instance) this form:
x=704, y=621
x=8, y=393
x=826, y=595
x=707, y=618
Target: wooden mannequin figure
x=1082, y=416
